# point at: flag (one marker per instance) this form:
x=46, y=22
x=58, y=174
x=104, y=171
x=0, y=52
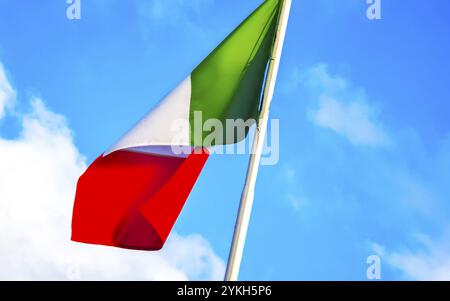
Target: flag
x=131, y=195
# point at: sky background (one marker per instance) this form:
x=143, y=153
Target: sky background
x=364, y=140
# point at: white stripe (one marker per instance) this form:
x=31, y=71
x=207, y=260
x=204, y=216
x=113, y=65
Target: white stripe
x=166, y=125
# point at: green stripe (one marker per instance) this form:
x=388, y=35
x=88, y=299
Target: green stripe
x=228, y=83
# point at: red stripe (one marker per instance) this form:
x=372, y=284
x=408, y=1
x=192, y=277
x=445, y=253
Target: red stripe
x=132, y=200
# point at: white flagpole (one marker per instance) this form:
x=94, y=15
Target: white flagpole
x=245, y=208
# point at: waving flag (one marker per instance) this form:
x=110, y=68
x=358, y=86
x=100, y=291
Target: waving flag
x=131, y=196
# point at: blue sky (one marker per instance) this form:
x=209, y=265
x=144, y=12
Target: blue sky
x=363, y=107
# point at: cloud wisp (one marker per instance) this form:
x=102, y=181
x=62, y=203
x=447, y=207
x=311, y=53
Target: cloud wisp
x=429, y=262
x=343, y=108
x=7, y=94
x=353, y=121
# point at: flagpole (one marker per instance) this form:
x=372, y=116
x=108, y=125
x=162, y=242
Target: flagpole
x=248, y=193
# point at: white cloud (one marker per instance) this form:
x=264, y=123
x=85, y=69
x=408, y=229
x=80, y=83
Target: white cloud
x=38, y=174
x=7, y=93
x=352, y=120
x=430, y=262
x=343, y=108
